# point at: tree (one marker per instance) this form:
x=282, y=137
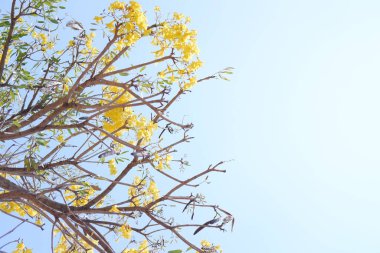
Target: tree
x=86, y=138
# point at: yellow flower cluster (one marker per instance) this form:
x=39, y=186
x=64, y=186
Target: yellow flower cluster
x=20, y=248
x=137, y=193
x=117, y=5
x=162, y=162
x=153, y=190
x=79, y=194
x=60, y=138
x=135, y=190
x=132, y=23
x=120, y=117
x=126, y=231
x=71, y=43
x=144, y=247
x=117, y=117
x=98, y=19
x=188, y=85
x=144, y=130
x=112, y=166
x=87, y=246
x=90, y=49
x=43, y=39
x=176, y=35
x=114, y=209
x=20, y=209
x=64, y=246
x=207, y=244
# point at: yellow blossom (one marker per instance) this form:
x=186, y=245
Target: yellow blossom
x=205, y=243
x=161, y=74
x=153, y=190
x=160, y=165
x=112, y=167
x=98, y=19
x=143, y=247
x=126, y=231
x=190, y=84
x=111, y=25
x=177, y=16
x=71, y=43
x=39, y=221
x=117, y=5
x=60, y=138
x=114, y=209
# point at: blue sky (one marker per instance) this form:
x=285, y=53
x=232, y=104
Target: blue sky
x=299, y=119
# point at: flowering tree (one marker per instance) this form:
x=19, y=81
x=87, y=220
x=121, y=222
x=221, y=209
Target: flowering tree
x=86, y=138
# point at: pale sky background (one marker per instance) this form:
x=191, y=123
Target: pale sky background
x=299, y=118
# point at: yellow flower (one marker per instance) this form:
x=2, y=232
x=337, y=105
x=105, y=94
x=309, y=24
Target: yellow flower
x=112, y=167
x=71, y=43
x=117, y=5
x=43, y=38
x=190, y=84
x=114, y=209
x=160, y=166
x=89, y=39
x=111, y=25
x=153, y=190
x=172, y=78
x=178, y=16
x=21, y=249
x=126, y=231
x=20, y=246
x=143, y=248
x=194, y=65
x=161, y=74
x=157, y=8
x=60, y=138
x=205, y=243
x=156, y=157
x=39, y=221
x=30, y=211
x=98, y=19
x=168, y=159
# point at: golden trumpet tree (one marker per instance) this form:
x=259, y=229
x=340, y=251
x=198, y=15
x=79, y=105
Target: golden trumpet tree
x=88, y=149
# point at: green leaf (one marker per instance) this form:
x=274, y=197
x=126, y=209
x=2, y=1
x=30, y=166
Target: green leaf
x=175, y=251
x=42, y=142
x=54, y=21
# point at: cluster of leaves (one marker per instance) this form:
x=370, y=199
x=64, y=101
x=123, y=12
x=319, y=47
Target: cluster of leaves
x=85, y=141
